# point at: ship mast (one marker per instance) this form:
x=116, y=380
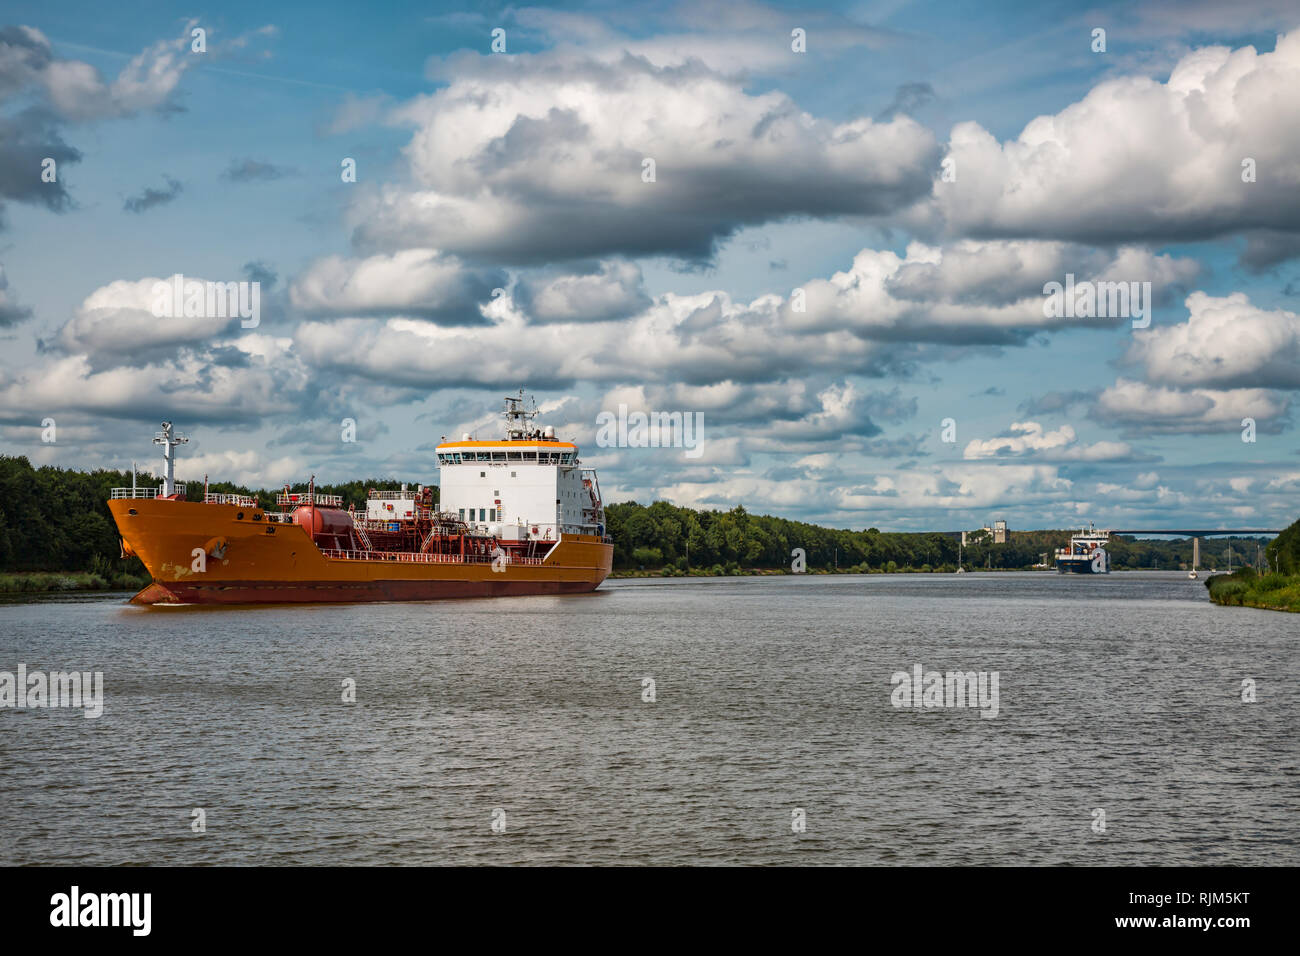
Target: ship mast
x=518, y=414
x=169, y=442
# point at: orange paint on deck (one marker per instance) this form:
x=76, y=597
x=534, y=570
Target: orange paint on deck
x=521, y=443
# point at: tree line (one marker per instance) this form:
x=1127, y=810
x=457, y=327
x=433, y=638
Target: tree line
x=663, y=536
x=57, y=519
x=1284, y=552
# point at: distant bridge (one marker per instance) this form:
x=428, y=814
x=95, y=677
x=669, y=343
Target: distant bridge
x=1202, y=532
x=1180, y=532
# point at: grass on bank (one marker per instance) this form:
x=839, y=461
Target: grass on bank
x=32, y=582
x=1244, y=588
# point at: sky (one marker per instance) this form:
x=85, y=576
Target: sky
x=828, y=232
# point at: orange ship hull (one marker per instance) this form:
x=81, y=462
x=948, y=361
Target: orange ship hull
x=256, y=562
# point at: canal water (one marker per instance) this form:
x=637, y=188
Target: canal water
x=676, y=721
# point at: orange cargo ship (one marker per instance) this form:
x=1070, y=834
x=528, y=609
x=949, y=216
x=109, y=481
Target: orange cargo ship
x=517, y=516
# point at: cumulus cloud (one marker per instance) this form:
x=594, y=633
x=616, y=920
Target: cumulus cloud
x=248, y=468
x=1226, y=342
x=1137, y=159
x=843, y=411
x=777, y=416
x=697, y=340
x=413, y=282
x=77, y=91
x=207, y=390
x=116, y=324
x=1031, y=438
x=610, y=291
x=1143, y=409
x=1289, y=483
x=540, y=156
x=780, y=416
x=969, y=292
x=959, y=488
x=725, y=401
x=884, y=313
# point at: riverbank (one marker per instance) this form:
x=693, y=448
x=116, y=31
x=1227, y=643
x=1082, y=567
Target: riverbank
x=718, y=571
x=1272, y=592
x=32, y=582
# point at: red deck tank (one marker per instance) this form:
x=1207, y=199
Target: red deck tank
x=328, y=527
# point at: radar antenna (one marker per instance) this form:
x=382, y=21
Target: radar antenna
x=519, y=413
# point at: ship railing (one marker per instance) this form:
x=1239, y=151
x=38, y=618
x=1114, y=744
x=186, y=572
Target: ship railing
x=308, y=498
x=247, y=501
x=135, y=492
x=148, y=492
x=404, y=522
x=440, y=518
x=415, y=557
x=393, y=495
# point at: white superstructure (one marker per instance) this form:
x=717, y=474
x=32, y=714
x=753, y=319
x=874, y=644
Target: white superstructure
x=528, y=485
x=394, y=505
